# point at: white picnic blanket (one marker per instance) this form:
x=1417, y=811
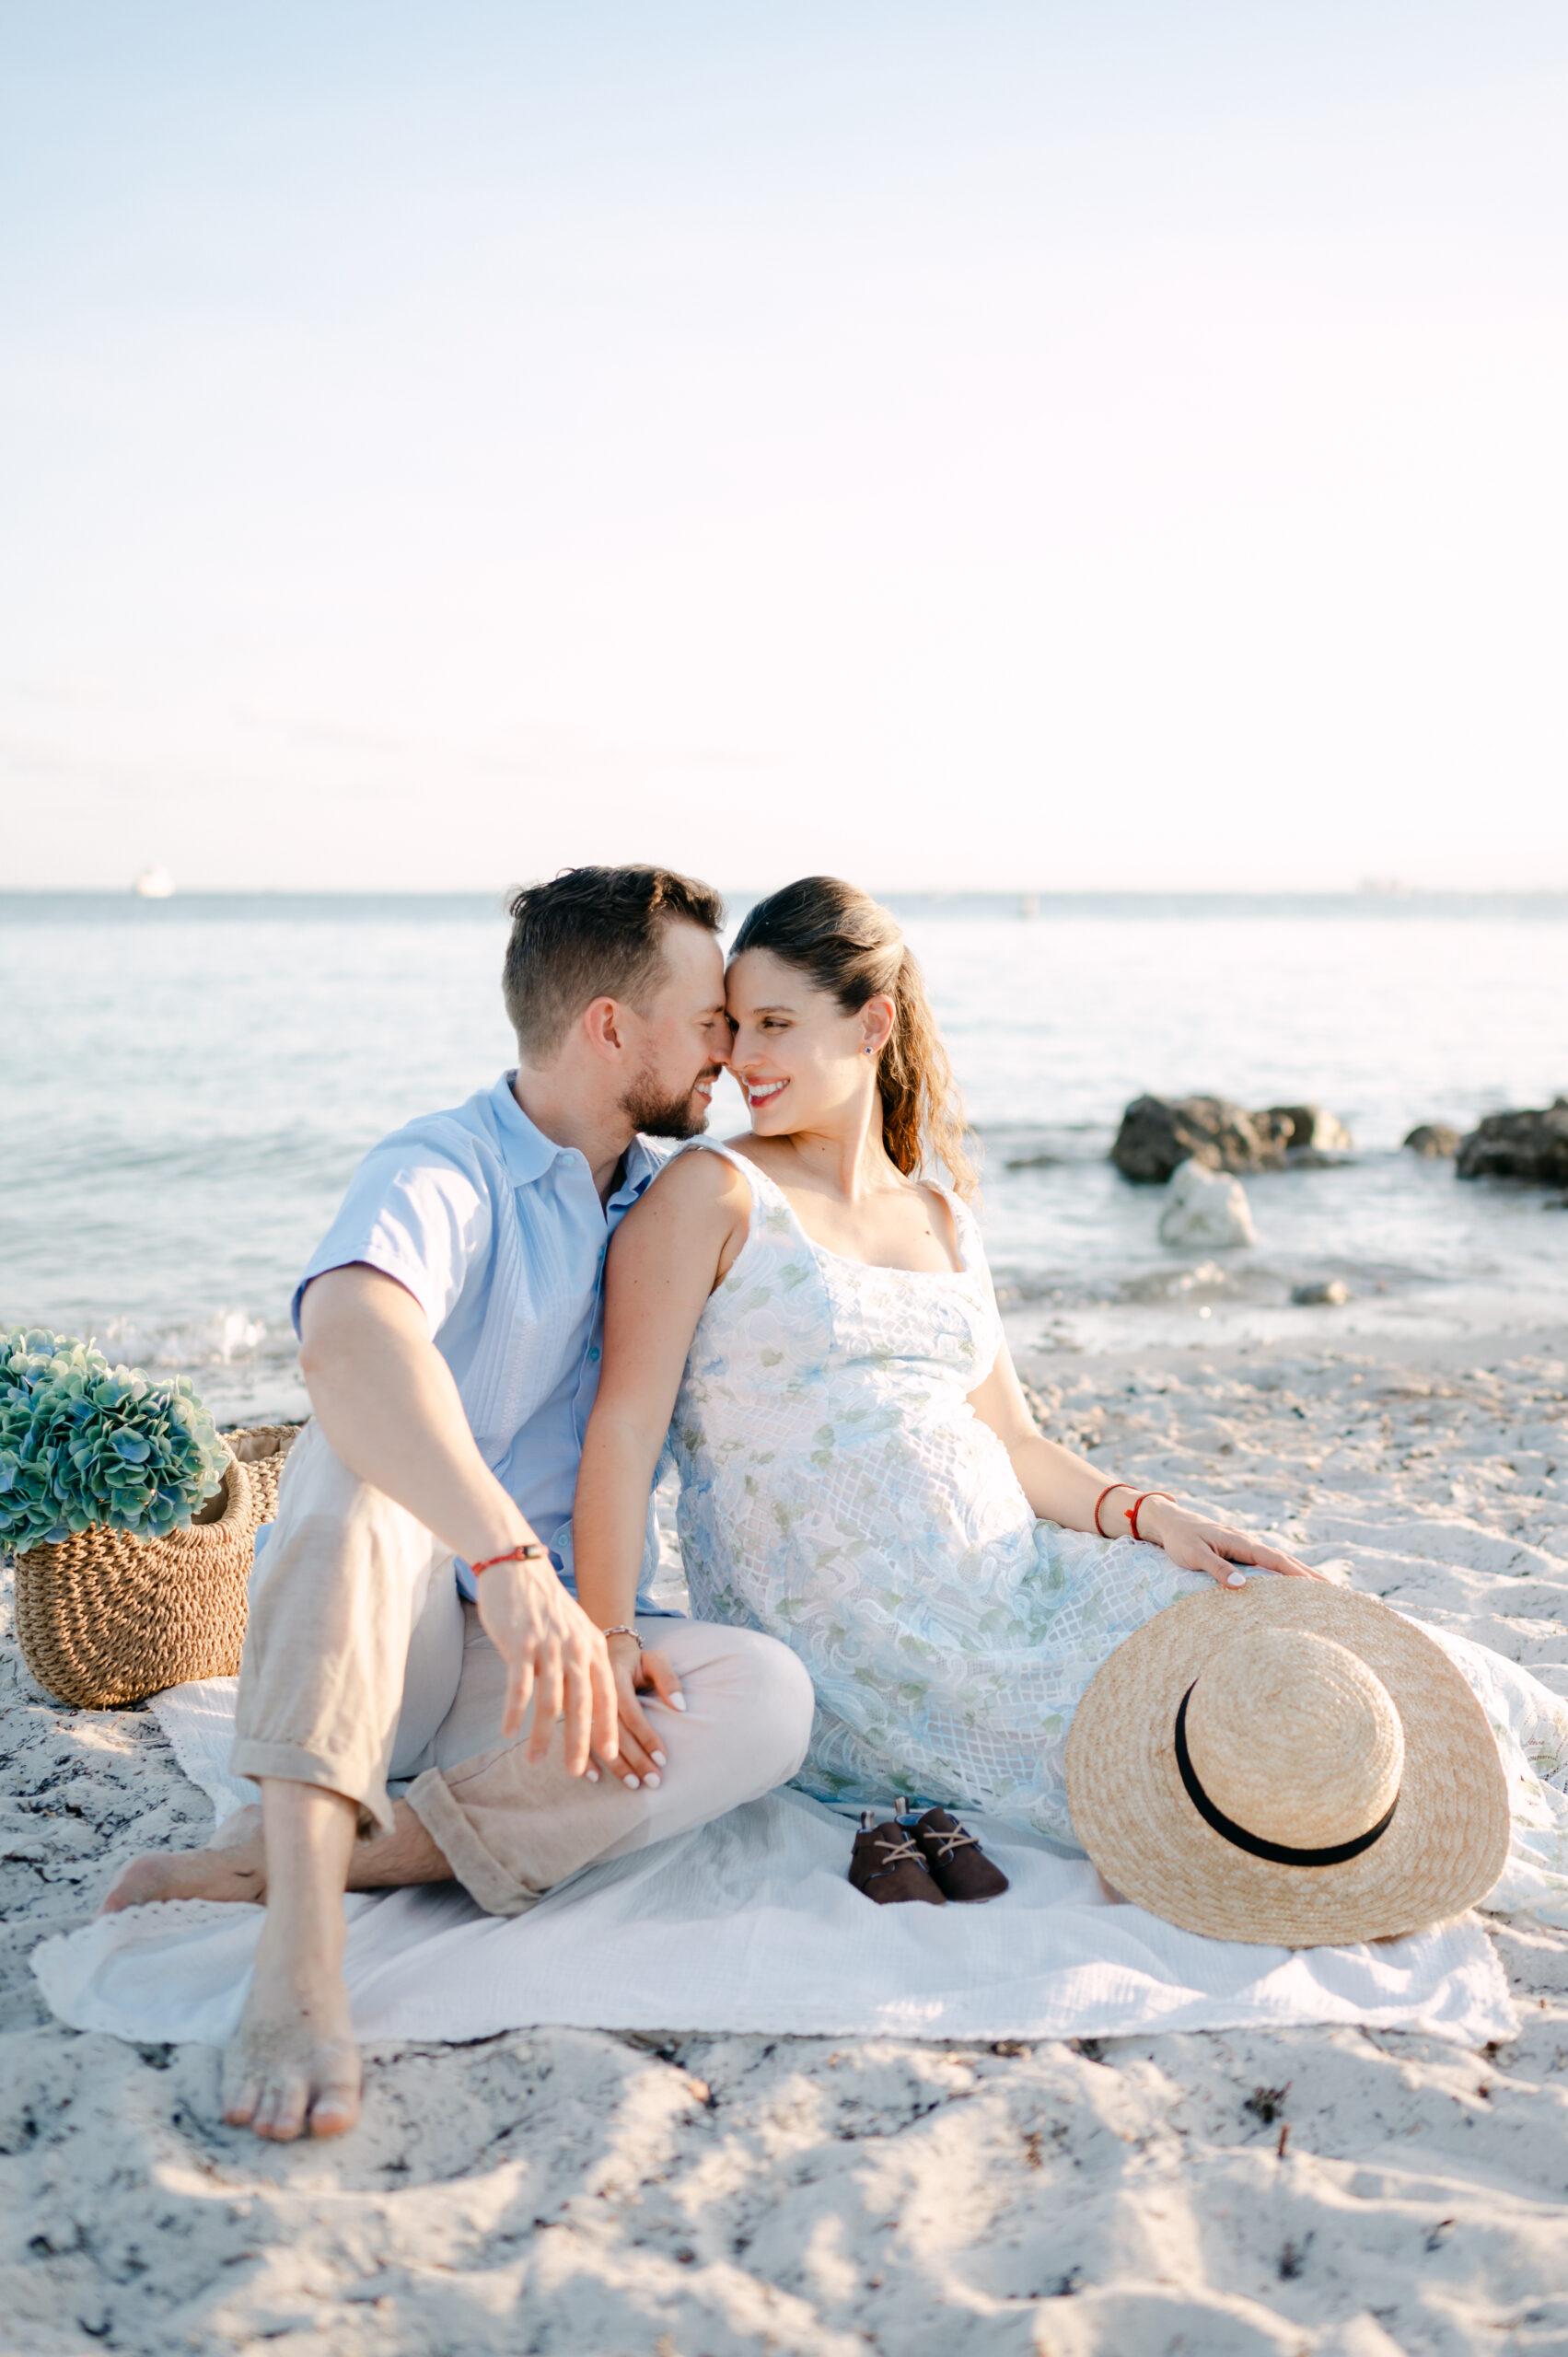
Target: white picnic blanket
x=748, y=1924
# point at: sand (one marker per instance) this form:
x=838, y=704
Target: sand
x=566, y=2191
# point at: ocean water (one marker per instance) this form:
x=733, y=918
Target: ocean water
x=185, y=1086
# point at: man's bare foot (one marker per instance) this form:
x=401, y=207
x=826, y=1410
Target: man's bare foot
x=294, y=2066
x=293, y=2063
x=233, y=1866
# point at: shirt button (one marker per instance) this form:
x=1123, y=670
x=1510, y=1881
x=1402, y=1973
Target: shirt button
x=593, y=1351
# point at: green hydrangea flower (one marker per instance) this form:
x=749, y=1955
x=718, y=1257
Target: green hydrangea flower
x=84, y=1443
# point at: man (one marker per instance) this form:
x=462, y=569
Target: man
x=450, y=1330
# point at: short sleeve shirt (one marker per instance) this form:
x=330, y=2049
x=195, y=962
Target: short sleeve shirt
x=499, y=1234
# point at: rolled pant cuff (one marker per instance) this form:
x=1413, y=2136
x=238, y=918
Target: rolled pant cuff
x=294, y=1765
x=487, y=1882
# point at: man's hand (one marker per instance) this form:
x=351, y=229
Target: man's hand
x=1200, y=1542
x=554, y=1657
x=641, y=1755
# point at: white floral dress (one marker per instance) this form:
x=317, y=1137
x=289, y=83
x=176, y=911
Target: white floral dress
x=838, y=1492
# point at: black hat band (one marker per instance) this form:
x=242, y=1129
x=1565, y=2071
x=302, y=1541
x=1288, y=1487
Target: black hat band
x=1253, y=1843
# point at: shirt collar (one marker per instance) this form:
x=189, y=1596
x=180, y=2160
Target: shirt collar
x=529, y=1154
x=644, y=1162
x=526, y=1151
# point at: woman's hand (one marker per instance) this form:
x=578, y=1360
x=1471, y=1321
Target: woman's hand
x=636, y=1671
x=1200, y=1542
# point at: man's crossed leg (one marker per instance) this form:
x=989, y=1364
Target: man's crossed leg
x=372, y=1712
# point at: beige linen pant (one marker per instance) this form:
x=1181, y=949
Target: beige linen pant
x=363, y=1668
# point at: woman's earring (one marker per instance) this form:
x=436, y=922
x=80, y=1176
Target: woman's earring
x=868, y=1051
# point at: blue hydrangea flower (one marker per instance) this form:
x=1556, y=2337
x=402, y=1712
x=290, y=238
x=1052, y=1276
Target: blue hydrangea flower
x=85, y=1443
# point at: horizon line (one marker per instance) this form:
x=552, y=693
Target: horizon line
x=1369, y=895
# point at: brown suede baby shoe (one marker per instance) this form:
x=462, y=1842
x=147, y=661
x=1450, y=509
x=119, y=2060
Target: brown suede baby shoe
x=886, y=1866
x=959, y=1865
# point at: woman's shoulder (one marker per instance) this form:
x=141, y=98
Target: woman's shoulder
x=702, y=1175
x=701, y=1186
x=694, y=1214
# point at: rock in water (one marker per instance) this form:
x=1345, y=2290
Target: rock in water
x=1206, y=1209
x=1332, y=1295
x=1435, y=1140
x=1519, y=1145
x=1304, y=1129
x=1160, y=1134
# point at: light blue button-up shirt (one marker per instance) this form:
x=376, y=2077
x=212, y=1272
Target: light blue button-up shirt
x=500, y=1235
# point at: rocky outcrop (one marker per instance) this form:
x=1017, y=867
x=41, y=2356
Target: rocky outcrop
x=1206, y=1209
x=1160, y=1134
x=1434, y=1140
x=1304, y=1129
x=1519, y=1145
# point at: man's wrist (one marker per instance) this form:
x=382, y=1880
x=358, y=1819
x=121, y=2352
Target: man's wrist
x=532, y=1552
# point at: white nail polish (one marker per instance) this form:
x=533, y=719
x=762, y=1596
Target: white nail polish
x=1237, y=1579
x=651, y=1781
x=678, y=1702
x=632, y=1783
x=658, y=1759
x=593, y=1775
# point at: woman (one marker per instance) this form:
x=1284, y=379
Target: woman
x=810, y=1318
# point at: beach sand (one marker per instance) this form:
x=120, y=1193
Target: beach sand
x=565, y=2192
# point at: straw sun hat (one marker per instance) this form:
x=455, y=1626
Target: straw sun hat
x=1291, y=1763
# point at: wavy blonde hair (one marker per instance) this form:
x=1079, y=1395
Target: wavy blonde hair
x=848, y=944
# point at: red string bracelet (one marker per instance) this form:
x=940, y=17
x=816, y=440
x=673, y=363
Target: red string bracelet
x=1133, y=1518
x=1100, y=1501
x=525, y=1555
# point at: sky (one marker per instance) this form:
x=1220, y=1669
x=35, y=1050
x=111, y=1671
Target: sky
x=1061, y=446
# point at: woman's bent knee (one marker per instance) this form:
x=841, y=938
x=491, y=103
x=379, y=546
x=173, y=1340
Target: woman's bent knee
x=779, y=1707
x=753, y=1697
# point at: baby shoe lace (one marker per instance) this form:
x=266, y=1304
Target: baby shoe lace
x=947, y=1842
x=896, y=1852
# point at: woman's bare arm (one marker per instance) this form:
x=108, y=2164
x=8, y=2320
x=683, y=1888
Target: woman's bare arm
x=667, y=1256
x=1065, y=1489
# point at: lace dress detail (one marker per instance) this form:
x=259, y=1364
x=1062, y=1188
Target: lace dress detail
x=837, y=1492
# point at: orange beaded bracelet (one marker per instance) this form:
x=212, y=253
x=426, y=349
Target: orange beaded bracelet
x=529, y=1553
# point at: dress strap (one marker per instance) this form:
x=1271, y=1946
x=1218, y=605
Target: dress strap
x=966, y=1227
x=758, y=1180
x=703, y=1143
x=773, y=1229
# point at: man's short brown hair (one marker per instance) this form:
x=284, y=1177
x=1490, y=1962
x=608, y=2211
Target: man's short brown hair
x=593, y=933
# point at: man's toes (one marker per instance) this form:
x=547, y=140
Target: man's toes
x=239, y=2107
x=280, y=2115
x=335, y=2109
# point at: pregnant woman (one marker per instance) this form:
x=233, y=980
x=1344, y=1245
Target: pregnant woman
x=810, y=1318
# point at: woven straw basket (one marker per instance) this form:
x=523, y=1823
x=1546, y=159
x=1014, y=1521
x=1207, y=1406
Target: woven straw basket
x=104, y=1619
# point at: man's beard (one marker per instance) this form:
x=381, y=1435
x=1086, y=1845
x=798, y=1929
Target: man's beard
x=658, y=1116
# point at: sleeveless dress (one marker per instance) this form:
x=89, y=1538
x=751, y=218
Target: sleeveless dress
x=838, y=1492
